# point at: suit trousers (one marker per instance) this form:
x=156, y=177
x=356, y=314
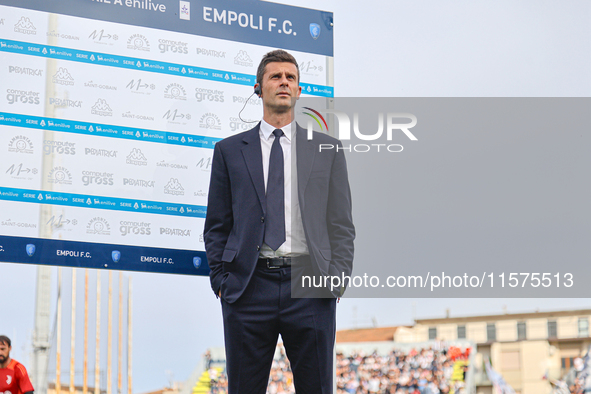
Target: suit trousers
x=266, y=310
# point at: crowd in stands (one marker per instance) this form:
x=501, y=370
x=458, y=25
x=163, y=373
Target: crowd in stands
x=575, y=381
x=423, y=371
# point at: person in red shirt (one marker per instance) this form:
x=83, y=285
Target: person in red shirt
x=13, y=375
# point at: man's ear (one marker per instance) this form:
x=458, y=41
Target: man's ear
x=257, y=90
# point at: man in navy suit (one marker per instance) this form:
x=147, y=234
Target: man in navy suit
x=278, y=205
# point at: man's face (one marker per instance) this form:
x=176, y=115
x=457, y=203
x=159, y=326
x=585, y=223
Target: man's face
x=4, y=352
x=280, y=87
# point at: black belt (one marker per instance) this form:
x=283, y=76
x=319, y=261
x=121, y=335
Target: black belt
x=275, y=262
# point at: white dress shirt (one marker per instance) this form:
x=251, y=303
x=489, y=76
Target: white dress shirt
x=295, y=239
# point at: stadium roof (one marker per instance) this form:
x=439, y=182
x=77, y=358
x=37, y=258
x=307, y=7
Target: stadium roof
x=367, y=334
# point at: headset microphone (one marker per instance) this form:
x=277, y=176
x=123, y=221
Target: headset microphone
x=257, y=91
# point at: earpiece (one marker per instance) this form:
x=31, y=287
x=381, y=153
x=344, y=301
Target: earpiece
x=257, y=90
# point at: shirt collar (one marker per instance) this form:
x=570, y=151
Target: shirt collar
x=266, y=130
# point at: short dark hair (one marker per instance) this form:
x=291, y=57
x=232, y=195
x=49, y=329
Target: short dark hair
x=5, y=340
x=276, y=56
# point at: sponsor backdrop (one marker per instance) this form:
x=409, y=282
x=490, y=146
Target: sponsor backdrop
x=109, y=113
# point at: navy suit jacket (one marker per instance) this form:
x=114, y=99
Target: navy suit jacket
x=235, y=225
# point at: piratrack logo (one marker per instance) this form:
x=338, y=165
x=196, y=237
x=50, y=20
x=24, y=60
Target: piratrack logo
x=64, y=103
x=138, y=42
x=25, y=26
x=20, y=96
x=134, y=228
x=211, y=53
x=248, y=101
x=59, y=147
x=97, y=178
x=210, y=121
x=63, y=77
x=140, y=87
x=98, y=226
x=175, y=91
x=20, y=144
x=137, y=158
x=344, y=130
x=100, y=152
x=37, y=72
x=174, y=187
x=211, y=95
x=178, y=232
x=242, y=59
x=138, y=182
x=101, y=108
x=173, y=46
x=60, y=176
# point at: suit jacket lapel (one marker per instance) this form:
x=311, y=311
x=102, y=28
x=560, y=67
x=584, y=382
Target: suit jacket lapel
x=305, y=153
x=253, y=158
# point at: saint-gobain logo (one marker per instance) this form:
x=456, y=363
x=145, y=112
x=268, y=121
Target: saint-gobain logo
x=138, y=42
x=60, y=176
x=20, y=144
x=98, y=226
x=210, y=121
x=393, y=124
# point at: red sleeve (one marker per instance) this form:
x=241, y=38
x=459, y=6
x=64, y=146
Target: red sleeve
x=24, y=383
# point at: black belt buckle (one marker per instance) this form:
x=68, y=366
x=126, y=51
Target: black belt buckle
x=271, y=267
